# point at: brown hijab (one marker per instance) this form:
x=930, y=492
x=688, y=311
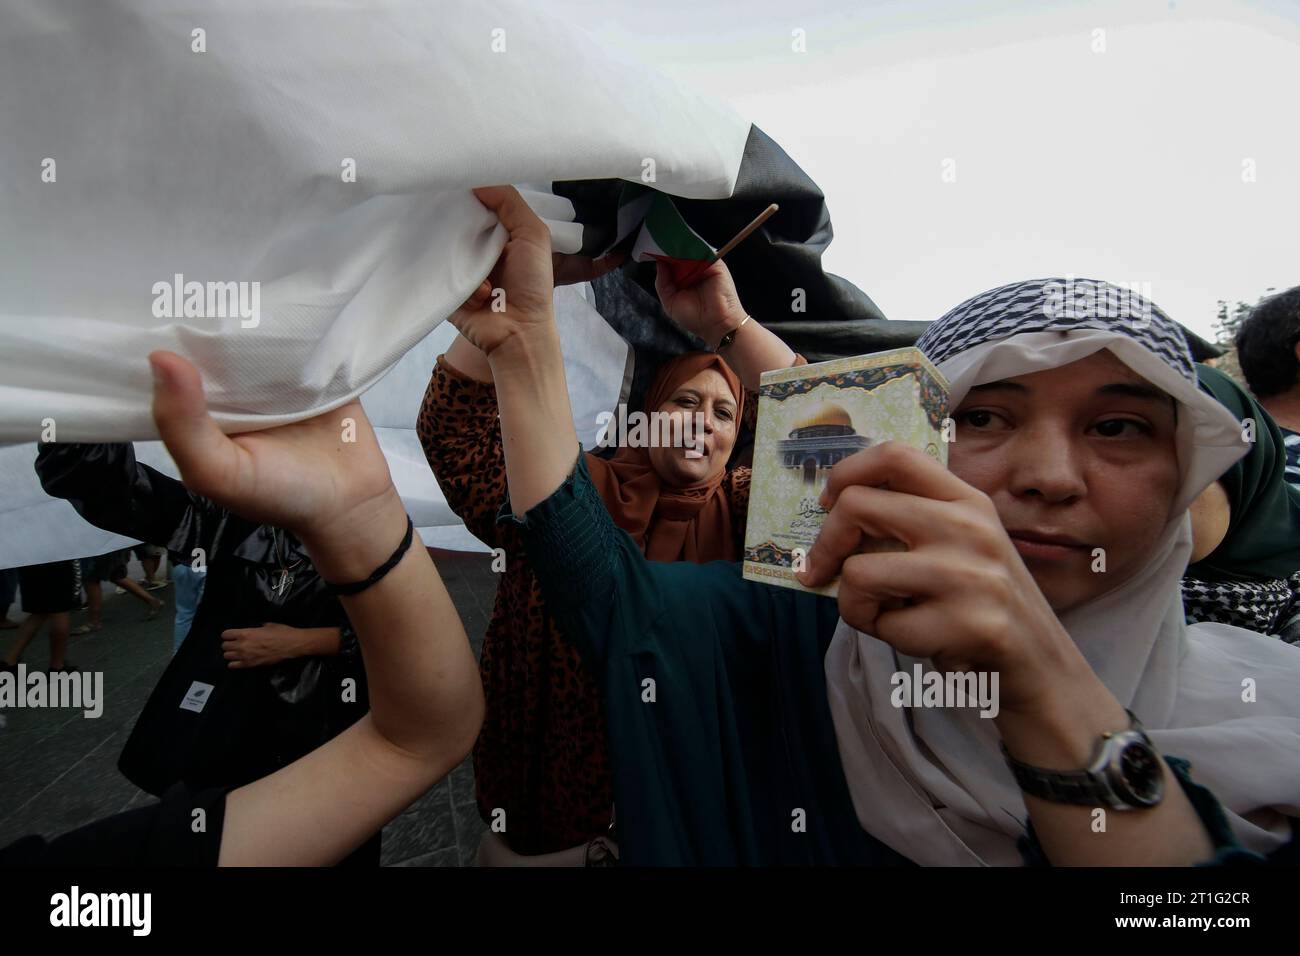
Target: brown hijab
x=670, y=524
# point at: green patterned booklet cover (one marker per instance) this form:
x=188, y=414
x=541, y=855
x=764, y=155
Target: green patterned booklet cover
x=812, y=416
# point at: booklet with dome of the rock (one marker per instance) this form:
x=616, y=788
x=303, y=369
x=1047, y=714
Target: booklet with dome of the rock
x=812, y=416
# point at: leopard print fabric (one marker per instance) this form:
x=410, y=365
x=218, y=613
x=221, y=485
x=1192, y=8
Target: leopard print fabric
x=541, y=755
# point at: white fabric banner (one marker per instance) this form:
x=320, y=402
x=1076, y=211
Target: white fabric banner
x=218, y=143
x=280, y=192
x=35, y=528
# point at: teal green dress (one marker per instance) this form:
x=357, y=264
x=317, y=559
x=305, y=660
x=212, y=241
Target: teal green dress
x=721, y=738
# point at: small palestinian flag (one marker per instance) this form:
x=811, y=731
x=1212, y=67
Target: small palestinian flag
x=663, y=235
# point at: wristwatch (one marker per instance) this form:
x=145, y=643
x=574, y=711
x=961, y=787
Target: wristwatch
x=731, y=336
x=1125, y=773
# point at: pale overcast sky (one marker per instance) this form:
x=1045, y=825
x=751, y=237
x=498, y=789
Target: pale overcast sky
x=1121, y=154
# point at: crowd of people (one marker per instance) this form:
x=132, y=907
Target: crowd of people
x=638, y=700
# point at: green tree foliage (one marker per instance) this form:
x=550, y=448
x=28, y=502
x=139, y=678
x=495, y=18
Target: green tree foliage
x=1226, y=323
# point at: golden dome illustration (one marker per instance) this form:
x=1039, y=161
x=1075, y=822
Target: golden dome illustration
x=826, y=414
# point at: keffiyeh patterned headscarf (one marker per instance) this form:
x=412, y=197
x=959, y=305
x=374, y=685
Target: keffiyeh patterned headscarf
x=1267, y=607
x=1045, y=305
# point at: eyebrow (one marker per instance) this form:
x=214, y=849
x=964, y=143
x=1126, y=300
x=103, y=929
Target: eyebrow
x=1125, y=389
x=1134, y=390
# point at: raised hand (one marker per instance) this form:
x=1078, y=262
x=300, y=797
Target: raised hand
x=325, y=479
x=524, y=275
x=708, y=309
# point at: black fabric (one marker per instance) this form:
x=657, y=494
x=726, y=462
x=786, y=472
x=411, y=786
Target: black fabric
x=166, y=833
x=107, y=567
x=48, y=588
x=254, y=720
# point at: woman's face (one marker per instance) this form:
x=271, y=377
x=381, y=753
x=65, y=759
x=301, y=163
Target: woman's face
x=1080, y=462
x=707, y=395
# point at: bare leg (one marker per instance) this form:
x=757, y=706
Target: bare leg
x=150, y=565
x=134, y=589
x=27, y=630
x=95, y=607
x=59, y=624
x=8, y=589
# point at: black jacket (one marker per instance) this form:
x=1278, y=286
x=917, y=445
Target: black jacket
x=247, y=723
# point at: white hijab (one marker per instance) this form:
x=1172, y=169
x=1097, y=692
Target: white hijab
x=932, y=783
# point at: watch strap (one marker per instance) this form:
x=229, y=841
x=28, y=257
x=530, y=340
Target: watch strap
x=1088, y=787
x=1057, y=786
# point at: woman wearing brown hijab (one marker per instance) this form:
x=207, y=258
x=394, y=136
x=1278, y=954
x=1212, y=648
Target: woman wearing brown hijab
x=680, y=508
x=540, y=764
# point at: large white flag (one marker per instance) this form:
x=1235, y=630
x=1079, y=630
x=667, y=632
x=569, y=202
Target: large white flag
x=280, y=192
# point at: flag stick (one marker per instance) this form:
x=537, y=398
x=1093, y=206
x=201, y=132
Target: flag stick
x=736, y=240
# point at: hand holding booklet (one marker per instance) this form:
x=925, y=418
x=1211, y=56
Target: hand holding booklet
x=809, y=418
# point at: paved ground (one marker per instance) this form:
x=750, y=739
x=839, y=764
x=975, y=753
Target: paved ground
x=58, y=770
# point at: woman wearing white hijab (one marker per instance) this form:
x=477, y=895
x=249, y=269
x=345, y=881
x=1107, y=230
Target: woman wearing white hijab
x=933, y=783
x=748, y=724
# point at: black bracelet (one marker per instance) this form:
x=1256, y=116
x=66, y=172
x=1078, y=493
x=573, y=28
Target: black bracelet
x=356, y=587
